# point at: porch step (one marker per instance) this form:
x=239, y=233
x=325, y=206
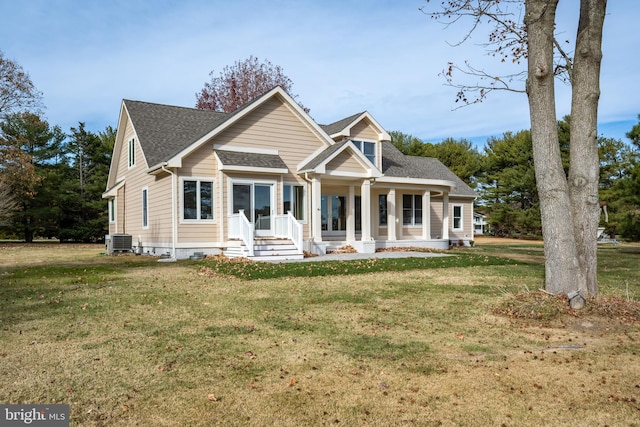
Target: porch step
x=270, y=250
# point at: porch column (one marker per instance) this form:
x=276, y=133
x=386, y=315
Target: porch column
x=316, y=214
x=223, y=222
x=365, y=194
x=351, y=214
x=426, y=215
x=445, y=215
x=391, y=214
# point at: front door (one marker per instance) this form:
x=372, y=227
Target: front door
x=256, y=199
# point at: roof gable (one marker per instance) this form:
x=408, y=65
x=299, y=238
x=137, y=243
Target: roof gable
x=343, y=128
x=234, y=117
x=320, y=162
x=167, y=134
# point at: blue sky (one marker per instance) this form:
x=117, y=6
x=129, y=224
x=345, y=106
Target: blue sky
x=344, y=56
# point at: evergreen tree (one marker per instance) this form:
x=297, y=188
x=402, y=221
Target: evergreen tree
x=84, y=218
x=28, y=149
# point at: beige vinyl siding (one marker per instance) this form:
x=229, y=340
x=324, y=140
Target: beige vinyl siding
x=364, y=131
x=467, y=218
x=123, y=161
x=159, y=199
x=159, y=208
x=344, y=162
x=201, y=164
x=129, y=197
x=436, y=217
x=273, y=125
x=414, y=231
x=135, y=179
x=198, y=233
x=118, y=227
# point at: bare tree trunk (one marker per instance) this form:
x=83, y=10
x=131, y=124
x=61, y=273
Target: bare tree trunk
x=584, y=169
x=562, y=269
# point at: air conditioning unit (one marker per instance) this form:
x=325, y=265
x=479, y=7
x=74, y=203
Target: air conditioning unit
x=119, y=243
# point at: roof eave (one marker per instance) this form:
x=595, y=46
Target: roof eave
x=346, y=131
x=176, y=160
x=420, y=181
x=256, y=169
x=113, y=191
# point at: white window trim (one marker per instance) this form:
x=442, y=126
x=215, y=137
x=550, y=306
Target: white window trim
x=375, y=149
x=245, y=181
x=453, y=219
x=214, y=202
x=413, y=210
x=304, y=196
x=131, y=153
x=145, y=214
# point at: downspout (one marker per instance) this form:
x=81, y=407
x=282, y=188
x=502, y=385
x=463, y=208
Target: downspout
x=174, y=223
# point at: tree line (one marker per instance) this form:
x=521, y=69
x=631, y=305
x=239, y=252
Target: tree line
x=51, y=182
x=503, y=175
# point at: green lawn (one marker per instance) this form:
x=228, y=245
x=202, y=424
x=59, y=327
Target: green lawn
x=445, y=341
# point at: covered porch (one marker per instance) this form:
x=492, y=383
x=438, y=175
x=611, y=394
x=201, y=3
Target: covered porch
x=369, y=214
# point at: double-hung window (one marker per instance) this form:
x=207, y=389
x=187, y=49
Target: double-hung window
x=368, y=149
x=197, y=199
x=457, y=218
x=293, y=200
x=411, y=209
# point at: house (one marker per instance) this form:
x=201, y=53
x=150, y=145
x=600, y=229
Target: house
x=480, y=224
x=267, y=179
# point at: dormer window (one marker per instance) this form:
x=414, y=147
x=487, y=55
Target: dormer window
x=367, y=148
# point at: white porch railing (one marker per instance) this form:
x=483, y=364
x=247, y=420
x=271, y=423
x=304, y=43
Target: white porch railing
x=241, y=228
x=288, y=227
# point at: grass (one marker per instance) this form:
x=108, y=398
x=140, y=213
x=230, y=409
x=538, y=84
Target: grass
x=252, y=270
x=129, y=341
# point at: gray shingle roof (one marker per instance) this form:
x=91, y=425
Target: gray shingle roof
x=338, y=126
x=165, y=130
x=255, y=160
x=323, y=155
x=396, y=164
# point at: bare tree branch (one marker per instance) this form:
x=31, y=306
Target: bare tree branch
x=17, y=92
x=507, y=41
x=469, y=94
